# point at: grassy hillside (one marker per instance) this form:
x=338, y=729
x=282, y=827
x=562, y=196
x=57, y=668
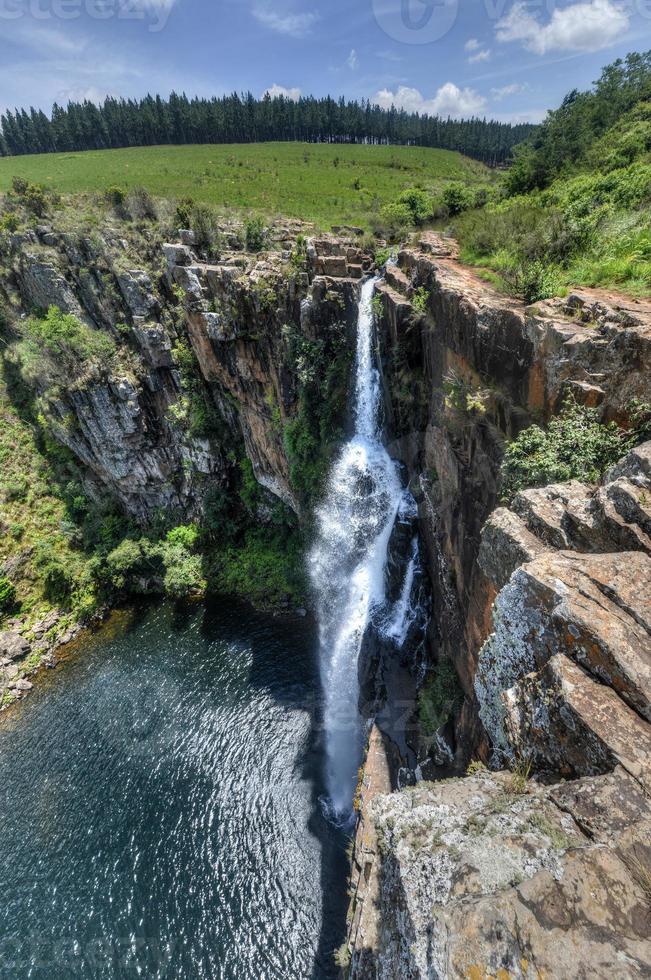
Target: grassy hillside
x=323, y=183
x=575, y=207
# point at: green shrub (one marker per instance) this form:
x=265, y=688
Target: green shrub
x=267, y=570
x=33, y=196
x=219, y=524
x=382, y=256
x=255, y=234
x=420, y=300
x=7, y=595
x=531, y=281
x=440, y=698
x=184, y=208
x=15, y=489
x=57, y=576
x=418, y=203
x=394, y=221
x=10, y=221
x=129, y=561
x=575, y=446
x=207, y=235
x=59, y=348
x=183, y=572
x=141, y=205
x=250, y=489
x=187, y=536
x=457, y=198
x=116, y=196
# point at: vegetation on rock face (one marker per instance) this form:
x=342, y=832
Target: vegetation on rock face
x=7, y=594
x=59, y=349
x=575, y=206
x=440, y=698
x=576, y=445
x=310, y=437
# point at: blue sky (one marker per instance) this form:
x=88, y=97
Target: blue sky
x=500, y=58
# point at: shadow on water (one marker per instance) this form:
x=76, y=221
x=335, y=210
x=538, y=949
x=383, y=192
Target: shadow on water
x=164, y=785
x=304, y=695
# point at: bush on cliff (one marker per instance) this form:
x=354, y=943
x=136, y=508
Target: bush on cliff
x=59, y=349
x=575, y=446
x=266, y=569
x=255, y=234
x=170, y=566
x=440, y=698
x=204, y=222
x=7, y=594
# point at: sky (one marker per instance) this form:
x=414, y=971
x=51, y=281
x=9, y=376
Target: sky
x=504, y=59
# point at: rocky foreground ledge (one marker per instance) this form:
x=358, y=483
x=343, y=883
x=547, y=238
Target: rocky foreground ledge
x=542, y=869
x=488, y=877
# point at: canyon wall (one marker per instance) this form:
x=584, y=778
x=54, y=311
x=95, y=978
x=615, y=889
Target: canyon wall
x=543, y=608
x=129, y=426
x=540, y=608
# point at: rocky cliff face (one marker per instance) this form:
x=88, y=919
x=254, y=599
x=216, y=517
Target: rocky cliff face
x=207, y=378
x=483, y=877
x=130, y=428
x=542, y=608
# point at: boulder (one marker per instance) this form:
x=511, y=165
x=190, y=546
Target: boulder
x=13, y=646
x=335, y=266
x=137, y=291
x=590, y=609
x=43, y=286
x=506, y=543
x=22, y=685
x=178, y=255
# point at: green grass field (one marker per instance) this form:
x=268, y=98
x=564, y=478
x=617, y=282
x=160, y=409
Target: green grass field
x=323, y=183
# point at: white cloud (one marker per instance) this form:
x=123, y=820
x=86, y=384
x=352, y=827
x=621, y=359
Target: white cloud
x=90, y=94
x=505, y=90
x=389, y=56
x=449, y=100
x=471, y=44
x=49, y=41
x=292, y=25
x=275, y=91
x=352, y=61
x=480, y=56
x=579, y=27
x=524, y=116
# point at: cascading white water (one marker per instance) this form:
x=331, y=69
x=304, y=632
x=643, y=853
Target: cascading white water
x=347, y=566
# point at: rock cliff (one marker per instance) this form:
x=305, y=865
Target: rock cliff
x=543, y=608
x=214, y=366
x=540, y=609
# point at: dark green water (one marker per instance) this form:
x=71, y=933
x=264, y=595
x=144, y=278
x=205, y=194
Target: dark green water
x=159, y=807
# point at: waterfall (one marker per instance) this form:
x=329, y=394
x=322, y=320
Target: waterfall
x=347, y=567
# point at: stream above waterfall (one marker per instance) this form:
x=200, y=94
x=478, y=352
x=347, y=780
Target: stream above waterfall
x=158, y=813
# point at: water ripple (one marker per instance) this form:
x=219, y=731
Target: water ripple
x=158, y=810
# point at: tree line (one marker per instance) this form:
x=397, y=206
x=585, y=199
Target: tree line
x=567, y=135
x=153, y=121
